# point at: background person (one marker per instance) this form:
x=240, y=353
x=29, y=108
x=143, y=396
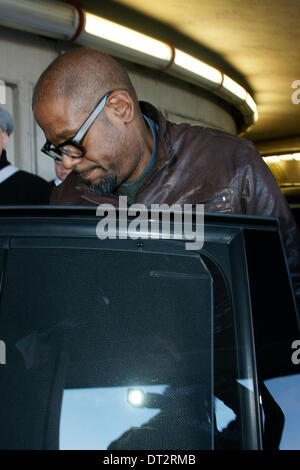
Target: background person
x=61, y=174
x=17, y=186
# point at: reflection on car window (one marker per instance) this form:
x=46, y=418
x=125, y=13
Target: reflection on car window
x=93, y=418
x=286, y=392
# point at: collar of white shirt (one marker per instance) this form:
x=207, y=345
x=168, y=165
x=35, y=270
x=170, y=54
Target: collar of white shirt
x=7, y=172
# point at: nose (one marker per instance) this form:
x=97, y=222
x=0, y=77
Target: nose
x=68, y=162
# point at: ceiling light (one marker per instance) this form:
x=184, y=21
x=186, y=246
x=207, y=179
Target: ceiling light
x=286, y=157
x=234, y=88
x=251, y=103
x=69, y=22
x=282, y=158
x=46, y=17
x=126, y=37
x=197, y=67
x=272, y=159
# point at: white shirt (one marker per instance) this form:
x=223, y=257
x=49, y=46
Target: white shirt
x=7, y=172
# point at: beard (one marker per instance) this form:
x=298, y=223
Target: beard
x=106, y=185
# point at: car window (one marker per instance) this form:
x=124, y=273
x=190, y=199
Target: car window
x=119, y=349
x=104, y=324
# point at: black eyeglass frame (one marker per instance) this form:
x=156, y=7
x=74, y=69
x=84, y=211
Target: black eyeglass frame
x=55, y=151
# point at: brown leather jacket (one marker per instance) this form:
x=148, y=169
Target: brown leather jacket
x=202, y=165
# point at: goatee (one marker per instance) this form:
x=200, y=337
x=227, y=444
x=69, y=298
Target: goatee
x=106, y=185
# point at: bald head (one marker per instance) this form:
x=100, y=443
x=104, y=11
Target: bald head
x=83, y=76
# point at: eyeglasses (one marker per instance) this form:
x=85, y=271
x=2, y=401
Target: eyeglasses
x=71, y=147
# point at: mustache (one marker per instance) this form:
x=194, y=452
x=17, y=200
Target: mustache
x=82, y=172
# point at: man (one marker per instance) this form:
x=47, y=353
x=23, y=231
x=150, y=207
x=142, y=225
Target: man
x=16, y=186
x=61, y=174
x=88, y=109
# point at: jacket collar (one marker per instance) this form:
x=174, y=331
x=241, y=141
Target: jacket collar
x=163, y=143
x=163, y=136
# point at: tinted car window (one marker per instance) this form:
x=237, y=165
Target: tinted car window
x=88, y=319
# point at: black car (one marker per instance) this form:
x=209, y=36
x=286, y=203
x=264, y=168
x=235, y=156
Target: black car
x=139, y=343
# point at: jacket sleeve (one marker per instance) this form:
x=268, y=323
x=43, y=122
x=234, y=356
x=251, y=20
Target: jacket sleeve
x=261, y=195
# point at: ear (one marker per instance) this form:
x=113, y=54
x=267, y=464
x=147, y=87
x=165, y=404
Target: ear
x=4, y=139
x=121, y=106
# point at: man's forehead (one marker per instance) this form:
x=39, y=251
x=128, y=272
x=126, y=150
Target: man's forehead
x=66, y=132
x=57, y=118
